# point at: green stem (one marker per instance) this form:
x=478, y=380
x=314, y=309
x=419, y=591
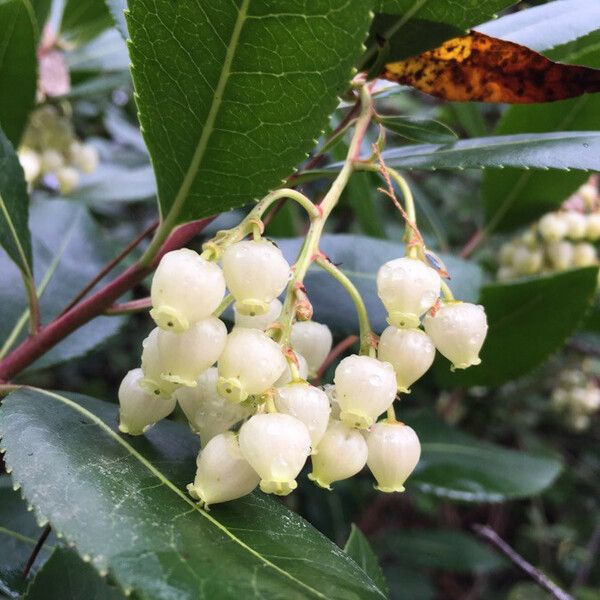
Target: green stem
x=447, y=292
x=224, y=304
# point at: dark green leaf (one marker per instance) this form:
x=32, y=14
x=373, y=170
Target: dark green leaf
x=121, y=501
x=408, y=584
x=422, y=131
x=546, y=26
x=18, y=535
x=457, y=466
x=68, y=249
x=359, y=257
x=18, y=66
x=229, y=106
x=444, y=549
x=14, y=203
x=83, y=20
x=41, y=8
x=359, y=549
x=528, y=321
x=66, y=576
x=117, y=8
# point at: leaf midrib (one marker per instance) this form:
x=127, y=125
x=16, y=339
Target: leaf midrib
x=169, y=484
x=24, y=267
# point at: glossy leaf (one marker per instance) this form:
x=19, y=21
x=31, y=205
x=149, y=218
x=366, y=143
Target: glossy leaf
x=68, y=250
x=225, y=114
x=421, y=131
x=460, y=467
x=486, y=69
x=65, y=575
x=118, y=498
x=83, y=20
x=117, y=9
x=359, y=549
x=18, y=66
x=14, y=203
x=360, y=257
x=546, y=26
x=520, y=335
x=18, y=535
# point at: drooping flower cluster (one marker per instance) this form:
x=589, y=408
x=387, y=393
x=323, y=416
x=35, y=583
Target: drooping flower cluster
x=258, y=417
x=50, y=151
x=560, y=240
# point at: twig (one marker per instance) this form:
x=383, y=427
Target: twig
x=36, y=550
x=472, y=244
x=337, y=350
x=133, y=306
x=491, y=537
x=591, y=551
x=110, y=266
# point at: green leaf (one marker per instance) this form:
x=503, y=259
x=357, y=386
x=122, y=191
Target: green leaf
x=83, y=20
x=230, y=106
x=512, y=198
x=546, y=26
x=65, y=575
x=18, y=66
x=359, y=549
x=18, y=536
x=68, y=250
x=528, y=321
x=121, y=500
x=117, y=10
x=444, y=549
x=14, y=203
x=41, y=8
x=557, y=150
x=359, y=257
x=421, y=131
x=460, y=467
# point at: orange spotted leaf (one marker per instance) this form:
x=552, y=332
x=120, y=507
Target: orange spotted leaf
x=486, y=69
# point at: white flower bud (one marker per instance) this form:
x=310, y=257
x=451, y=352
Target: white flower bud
x=276, y=446
x=138, y=409
x=31, y=164
x=52, y=160
x=207, y=412
x=409, y=351
x=588, y=192
x=341, y=453
x=584, y=255
x=394, y=452
x=184, y=356
x=506, y=254
x=458, y=331
x=286, y=376
x=553, y=227
x=593, y=227
x=313, y=341
x=186, y=288
x=365, y=387
x=408, y=288
x=576, y=225
x=67, y=178
x=527, y=261
x=249, y=365
x=256, y=273
x=84, y=157
x=561, y=254
x=223, y=473
x=308, y=404
x=258, y=321
x=152, y=367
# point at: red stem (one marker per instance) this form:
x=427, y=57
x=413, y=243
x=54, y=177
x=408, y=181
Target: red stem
x=338, y=350
x=129, y=307
x=472, y=244
x=48, y=336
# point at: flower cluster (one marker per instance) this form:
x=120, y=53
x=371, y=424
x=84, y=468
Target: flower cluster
x=50, y=151
x=559, y=240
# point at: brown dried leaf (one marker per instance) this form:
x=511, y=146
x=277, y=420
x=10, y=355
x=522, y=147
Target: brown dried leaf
x=477, y=67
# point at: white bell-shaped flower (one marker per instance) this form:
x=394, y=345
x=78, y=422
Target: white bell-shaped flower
x=256, y=273
x=207, y=412
x=249, y=365
x=313, y=341
x=584, y=255
x=553, y=227
x=31, y=164
x=394, y=452
x=458, y=331
x=576, y=224
x=186, y=288
x=561, y=254
x=152, y=367
x=408, y=288
x=365, y=387
x=258, y=321
x=184, y=356
x=138, y=409
x=409, y=351
x=593, y=227
x=308, y=404
x=286, y=376
x=84, y=157
x=276, y=446
x=341, y=453
x=329, y=390
x=223, y=473
x=67, y=179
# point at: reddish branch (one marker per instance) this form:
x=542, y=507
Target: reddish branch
x=337, y=351
x=49, y=335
